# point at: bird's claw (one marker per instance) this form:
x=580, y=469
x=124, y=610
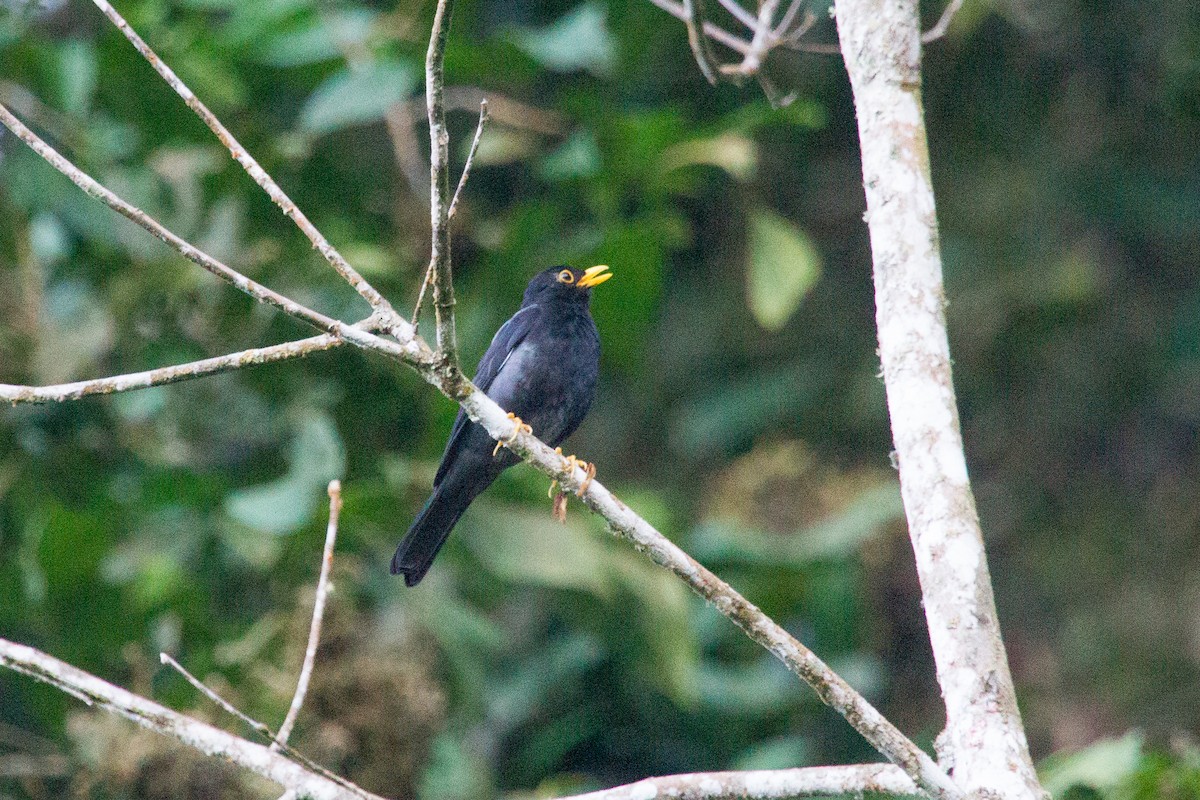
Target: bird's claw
x=573, y=461
x=522, y=427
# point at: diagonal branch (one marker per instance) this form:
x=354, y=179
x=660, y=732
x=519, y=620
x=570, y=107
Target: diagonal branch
x=314, y=630
x=199, y=735
x=626, y=524
x=407, y=348
x=252, y=168
x=445, y=375
x=439, y=189
x=774, y=784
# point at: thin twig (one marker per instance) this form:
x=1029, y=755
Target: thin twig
x=93, y=187
x=203, y=737
x=258, y=727
x=742, y=15
x=462, y=179
x=407, y=348
x=165, y=375
x=252, y=168
x=774, y=784
x=697, y=41
x=314, y=631
x=760, y=45
x=789, y=16
x=439, y=188
x=943, y=24
x=714, y=32
x=216, y=698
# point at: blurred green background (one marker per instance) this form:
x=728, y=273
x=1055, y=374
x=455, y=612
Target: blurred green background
x=740, y=408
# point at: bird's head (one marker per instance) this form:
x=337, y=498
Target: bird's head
x=564, y=284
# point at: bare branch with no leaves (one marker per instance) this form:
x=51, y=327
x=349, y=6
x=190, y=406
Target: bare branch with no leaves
x=314, y=631
x=199, y=735
x=773, y=784
x=882, y=47
x=439, y=189
x=252, y=168
x=462, y=182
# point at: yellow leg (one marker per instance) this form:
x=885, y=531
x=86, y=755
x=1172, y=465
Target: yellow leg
x=521, y=428
x=589, y=469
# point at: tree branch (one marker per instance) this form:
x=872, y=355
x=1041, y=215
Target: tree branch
x=407, y=348
x=462, y=182
x=697, y=41
x=444, y=374
x=164, y=375
x=943, y=23
x=776, y=784
x=439, y=189
x=881, y=43
x=195, y=734
x=462, y=179
x=626, y=524
x=252, y=168
x=314, y=630
x=715, y=32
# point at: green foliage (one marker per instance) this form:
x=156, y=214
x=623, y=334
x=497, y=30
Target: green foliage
x=740, y=408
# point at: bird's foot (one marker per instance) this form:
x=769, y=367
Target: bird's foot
x=569, y=465
x=522, y=427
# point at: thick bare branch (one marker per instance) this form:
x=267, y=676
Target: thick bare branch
x=881, y=43
x=164, y=375
x=314, y=630
x=257, y=726
x=776, y=784
x=439, y=189
x=626, y=524
x=252, y=168
x=191, y=732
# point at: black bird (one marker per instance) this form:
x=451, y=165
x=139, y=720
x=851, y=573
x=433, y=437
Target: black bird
x=541, y=367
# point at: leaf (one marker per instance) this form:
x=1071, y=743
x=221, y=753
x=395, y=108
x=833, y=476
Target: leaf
x=288, y=503
x=318, y=39
x=1101, y=765
x=353, y=97
x=77, y=68
x=732, y=152
x=579, y=40
x=784, y=266
x=530, y=547
x=578, y=157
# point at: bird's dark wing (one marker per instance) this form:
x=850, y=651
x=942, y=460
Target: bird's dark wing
x=506, y=340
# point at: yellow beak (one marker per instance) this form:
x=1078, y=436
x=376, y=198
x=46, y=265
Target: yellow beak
x=594, y=276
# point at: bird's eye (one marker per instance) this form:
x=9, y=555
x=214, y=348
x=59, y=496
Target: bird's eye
x=566, y=276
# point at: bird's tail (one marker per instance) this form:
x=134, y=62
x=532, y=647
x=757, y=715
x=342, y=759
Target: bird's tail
x=428, y=533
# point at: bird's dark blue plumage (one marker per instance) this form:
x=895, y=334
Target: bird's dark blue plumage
x=542, y=366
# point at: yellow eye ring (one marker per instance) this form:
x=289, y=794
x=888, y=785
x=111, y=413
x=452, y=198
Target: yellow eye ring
x=566, y=276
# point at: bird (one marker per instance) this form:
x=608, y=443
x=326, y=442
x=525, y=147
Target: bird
x=541, y=368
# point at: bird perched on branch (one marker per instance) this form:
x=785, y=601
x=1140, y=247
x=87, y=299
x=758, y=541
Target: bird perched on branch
x=541, y=367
